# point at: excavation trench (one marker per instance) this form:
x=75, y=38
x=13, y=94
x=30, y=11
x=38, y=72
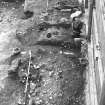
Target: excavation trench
x=57, y=65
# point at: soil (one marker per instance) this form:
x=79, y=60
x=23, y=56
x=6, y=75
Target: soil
x=59, y=79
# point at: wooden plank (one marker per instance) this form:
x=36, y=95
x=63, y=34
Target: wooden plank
x=101, y=22
x=86, y=4
x=90, y=20
x=91, y=97
x=96, y=74
x=97, y=49
x=99, y=28
x=99, y=74
x=91, y=79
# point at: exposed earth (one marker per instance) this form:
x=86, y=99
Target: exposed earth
x=57, y=66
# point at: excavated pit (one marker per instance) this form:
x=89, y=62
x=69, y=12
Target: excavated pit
x=58, y=63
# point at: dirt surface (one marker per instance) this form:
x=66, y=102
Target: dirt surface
x=59, y=79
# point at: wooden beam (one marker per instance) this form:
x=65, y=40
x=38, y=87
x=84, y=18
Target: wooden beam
x=90, y=20
x=86, y=3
